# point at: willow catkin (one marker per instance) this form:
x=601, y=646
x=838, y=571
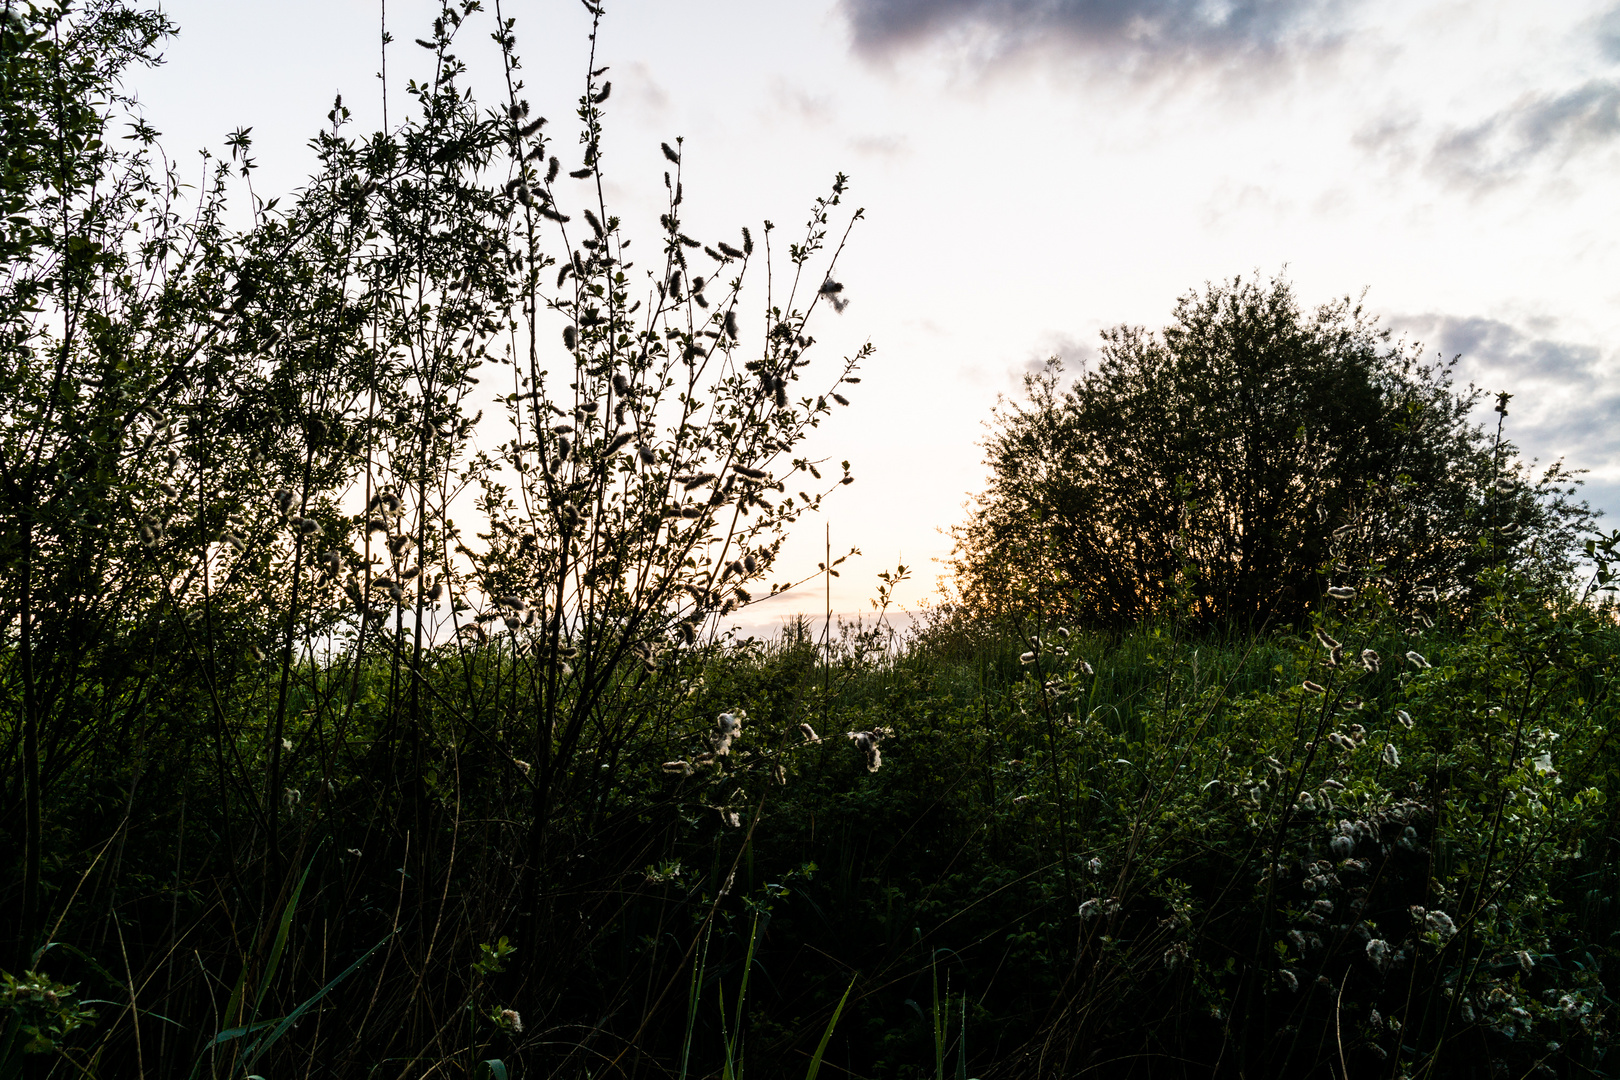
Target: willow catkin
x=866, y=743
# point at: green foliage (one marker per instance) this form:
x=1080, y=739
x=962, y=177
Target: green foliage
x=341, y=787
x=237, y=611
x=492, y=958
x=1208, y=469
x=40, y=1013
x=1159, y=846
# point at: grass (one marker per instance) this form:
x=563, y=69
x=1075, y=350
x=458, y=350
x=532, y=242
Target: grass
x=1169, y=862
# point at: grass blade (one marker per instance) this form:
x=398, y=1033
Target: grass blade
x=826, y=1036
x=281, y=935
x=10, y=1046
x=698, y=967
x=258, y=1049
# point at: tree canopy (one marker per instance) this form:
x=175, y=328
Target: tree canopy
x=1237, y=463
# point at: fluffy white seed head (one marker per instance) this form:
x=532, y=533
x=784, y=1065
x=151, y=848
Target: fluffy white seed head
x=866, y=742
x=1379, y=952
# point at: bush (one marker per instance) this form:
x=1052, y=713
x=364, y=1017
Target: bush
x=234, y=589
x=1214, y=468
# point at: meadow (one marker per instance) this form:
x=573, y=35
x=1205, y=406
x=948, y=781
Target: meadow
x=1119, y=855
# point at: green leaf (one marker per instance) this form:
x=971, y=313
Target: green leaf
x=258, y=1049
x=826, y=1036
x=281, y=934
x=237, y=1032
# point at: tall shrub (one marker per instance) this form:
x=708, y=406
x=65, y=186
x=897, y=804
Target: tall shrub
x=284, y=611
x=1209, y=467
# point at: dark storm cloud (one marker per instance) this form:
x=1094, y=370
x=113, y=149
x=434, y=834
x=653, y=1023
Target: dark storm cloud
x=1163, y=30
x=1565, y=398
x=1543, y=127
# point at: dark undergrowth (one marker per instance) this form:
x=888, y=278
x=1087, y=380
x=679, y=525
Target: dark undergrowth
x=1142, y=854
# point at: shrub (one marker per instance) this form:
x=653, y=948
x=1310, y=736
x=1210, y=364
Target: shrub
x=1208, y=469
x=235, y=589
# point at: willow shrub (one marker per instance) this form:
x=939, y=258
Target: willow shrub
x=244, y=635
x=1210, y=467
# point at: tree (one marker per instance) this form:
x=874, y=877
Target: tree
x=231, y=464
x=72, y=291
x=1241, y=461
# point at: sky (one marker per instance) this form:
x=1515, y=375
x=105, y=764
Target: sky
x=1035, y=171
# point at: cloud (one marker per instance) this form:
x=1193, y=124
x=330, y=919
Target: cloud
x=888, y=145
x=1074, y=353
x=641, y=91
x=1145, y=31
x=1566, y=402
x=1387, y=136
x=1608, y=33
x=1232, y=201
x=1503, y=349
x=1075, y=356
x=814, y=109
x=1538, y=127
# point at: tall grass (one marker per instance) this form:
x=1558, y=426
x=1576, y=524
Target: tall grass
x=1084, y=871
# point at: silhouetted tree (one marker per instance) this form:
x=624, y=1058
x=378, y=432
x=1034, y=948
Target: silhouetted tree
x=1218, y=466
